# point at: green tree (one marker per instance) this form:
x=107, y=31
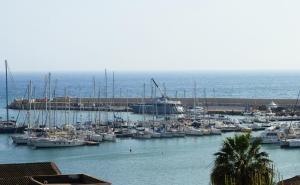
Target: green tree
x=240, y=162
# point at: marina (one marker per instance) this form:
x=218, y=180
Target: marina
x=149, y=92
x=63, y=124
x=87, y=134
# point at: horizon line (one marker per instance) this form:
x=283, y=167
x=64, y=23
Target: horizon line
x=156, y=71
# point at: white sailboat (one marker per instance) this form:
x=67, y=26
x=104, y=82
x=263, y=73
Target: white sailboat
x=30, y=134
x=23, y=139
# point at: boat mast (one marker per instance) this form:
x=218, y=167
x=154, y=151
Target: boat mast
x=49, y=89
x=113, y=86
x=29, y=101
x=127, y=106
x=6, y=95
x=69, y=107
x=144, y=94
x=94, y=100
x=55, y=105
x=34, y=110
x=165, y=103
x=46, y=101
x=99, y=105
x=80, y=115
x=106, y=103
x=65, y=102
x=205, y=101
x=152, y=100
x=113, y=95
x=195, y=96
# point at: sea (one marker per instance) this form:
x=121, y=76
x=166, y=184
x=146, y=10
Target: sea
x=173, y=161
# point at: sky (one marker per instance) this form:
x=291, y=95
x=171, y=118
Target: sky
x=157, y=35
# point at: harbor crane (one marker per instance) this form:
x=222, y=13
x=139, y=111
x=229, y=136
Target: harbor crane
x=160, y=90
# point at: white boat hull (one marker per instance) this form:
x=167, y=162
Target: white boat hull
x=109, y=137
x=45, y=143
x=95, y=137
x=20, y=140
x=290, y=143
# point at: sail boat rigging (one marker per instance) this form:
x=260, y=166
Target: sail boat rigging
x=9, y=126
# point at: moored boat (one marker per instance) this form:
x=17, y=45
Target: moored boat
x=109, y=136
x=94, y=137
x=161, y=105
x=29, y=133
x=270, y=136
x=8, y=126
x=190, y=131
x=56, y=142
x=290, y=143
x=142, y=135
x=11, y=127
x=20, y=139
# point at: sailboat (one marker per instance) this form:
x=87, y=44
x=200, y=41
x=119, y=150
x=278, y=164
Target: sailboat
x=9, y=126
x=54, y=139
x=31, y=132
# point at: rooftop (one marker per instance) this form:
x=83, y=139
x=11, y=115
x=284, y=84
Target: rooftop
x=291, y=181
x=42, y=173
x=28, y=169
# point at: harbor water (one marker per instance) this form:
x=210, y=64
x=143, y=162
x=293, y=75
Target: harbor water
x=219, y=84
x=173, y=161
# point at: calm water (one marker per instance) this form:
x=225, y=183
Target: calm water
x=216, y=84
x=169, y=161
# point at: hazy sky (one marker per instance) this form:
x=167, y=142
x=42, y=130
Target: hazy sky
x=49, y=35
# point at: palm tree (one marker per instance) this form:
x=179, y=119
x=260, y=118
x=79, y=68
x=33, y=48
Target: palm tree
x=240, y=162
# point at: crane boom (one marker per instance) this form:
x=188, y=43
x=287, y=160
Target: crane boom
x=161, y=92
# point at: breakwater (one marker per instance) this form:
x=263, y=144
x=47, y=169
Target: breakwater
x=122, y=104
